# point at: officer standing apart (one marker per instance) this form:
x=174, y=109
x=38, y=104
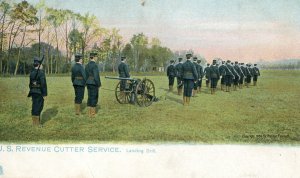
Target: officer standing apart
x=171, y=73
x=178, y=68
x=256, y=74
x=93, y=84
x=189, y=75
x=78, y=78
x=38, y=91
x=123, y=73
x=214, y=76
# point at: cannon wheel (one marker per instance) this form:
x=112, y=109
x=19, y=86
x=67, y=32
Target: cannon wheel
x=145, y=93
x=122, y=99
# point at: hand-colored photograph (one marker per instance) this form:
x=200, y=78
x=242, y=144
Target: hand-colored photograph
x=200, y=72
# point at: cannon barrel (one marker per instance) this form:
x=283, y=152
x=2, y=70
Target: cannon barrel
x=120, y=78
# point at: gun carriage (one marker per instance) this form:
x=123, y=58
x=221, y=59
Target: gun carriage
x=135, y=91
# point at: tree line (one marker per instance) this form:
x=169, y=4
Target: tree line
x=28, y=30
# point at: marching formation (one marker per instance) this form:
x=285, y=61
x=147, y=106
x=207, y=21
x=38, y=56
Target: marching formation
x=190, y=74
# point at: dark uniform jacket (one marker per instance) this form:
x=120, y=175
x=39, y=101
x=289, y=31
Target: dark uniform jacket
x=200, y=71
x=37, y=85
x=214, y=72
x=239, y=70
x=244, y=70
x=248, y=71
x=171, y=72
x=228, y=70
x=123, y=70
x=206, y=72
x=92, y=74
x=189, y=71
x=78, y=76
x=256, y=71
x=178, y=69
x=222, y=70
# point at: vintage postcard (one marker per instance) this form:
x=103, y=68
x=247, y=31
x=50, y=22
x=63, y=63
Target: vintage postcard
x=149, y=88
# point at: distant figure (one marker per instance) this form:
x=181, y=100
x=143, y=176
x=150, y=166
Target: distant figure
x=243, y=81
x=206, y=73
x=189, y=75
x=214, y=76
x=248, y=75
x=93, y=84
x=78, y=78
x=123, y=73
x=237, y=75
x=178, y=68
x=229, y=76
x=256, y=74
x=200, y=75
x=38, y=90
x=197, y=68
x=241, y=74
x=222, y=75
x=171, y=73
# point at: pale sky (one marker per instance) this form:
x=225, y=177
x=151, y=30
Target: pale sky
x=247, y=30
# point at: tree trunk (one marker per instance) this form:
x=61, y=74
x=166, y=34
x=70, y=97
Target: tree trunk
x=67, y=45
x=1, y=42
x=19, y=51
x=57, y=52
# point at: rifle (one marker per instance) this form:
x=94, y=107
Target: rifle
x=35, y=77
x=38, y=69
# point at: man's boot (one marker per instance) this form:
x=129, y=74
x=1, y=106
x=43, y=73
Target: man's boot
x=93, y=111
x=35, y=120
x=77, y=109
x=188, y=100
x=90, y=111
x=184, y=101
x=194, y=93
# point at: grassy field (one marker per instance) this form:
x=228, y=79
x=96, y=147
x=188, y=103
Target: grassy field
x=265, y=114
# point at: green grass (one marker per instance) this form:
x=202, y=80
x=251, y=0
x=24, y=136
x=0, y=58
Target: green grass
x=266, y=114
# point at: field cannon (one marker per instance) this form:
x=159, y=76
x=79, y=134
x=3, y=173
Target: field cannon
x=131, y=90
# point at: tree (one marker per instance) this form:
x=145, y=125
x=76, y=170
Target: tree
x=55, y=18
x=26, y=14
x=139, y=43
x=4, y=10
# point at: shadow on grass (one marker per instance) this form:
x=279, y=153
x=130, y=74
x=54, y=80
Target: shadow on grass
x=49, y=114
x=174, y=99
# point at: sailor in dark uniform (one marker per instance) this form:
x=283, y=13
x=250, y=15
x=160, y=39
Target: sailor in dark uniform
x=200, y=75
x=38, y=91
x=229, y=76
x=190, y=77
x=221, y=72
x=206, y=73
x=123, y=73
x=78, y=78
x=197, y=69
x=256, y=73
x=178, y=69
x=93, y=83
x=214, y=76
x=248, y=75
x=171, y=73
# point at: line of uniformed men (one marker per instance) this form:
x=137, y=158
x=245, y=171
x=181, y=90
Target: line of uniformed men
x=190, y=74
